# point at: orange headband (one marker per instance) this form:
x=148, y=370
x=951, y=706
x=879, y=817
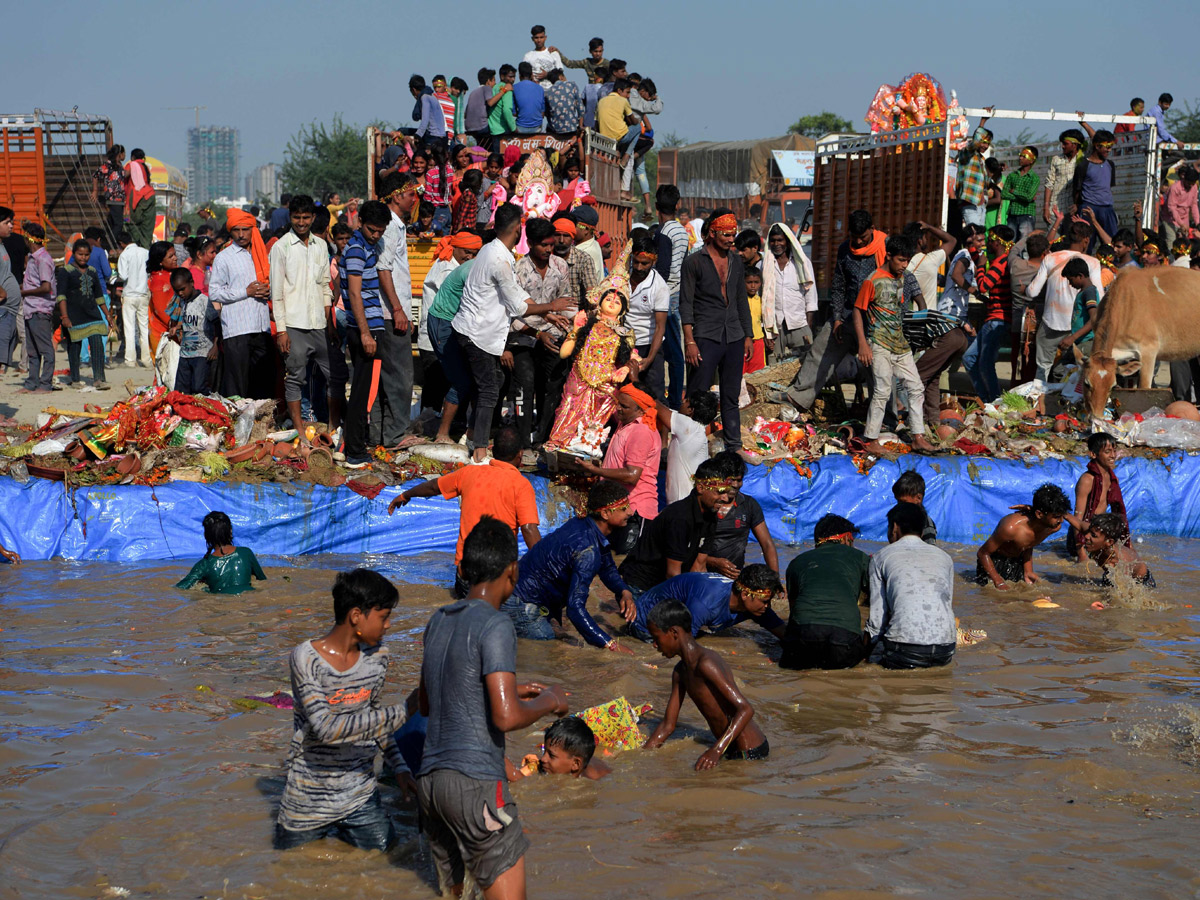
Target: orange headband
x=727, y=222
x=646, y=257
x=836, y=537
x=564, y=226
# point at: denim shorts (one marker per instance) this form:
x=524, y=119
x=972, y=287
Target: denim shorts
x=367, y=828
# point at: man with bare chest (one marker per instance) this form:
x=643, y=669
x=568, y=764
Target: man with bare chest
x=1007, y=556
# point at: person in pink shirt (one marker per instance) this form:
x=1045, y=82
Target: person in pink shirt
x=632, y=459
x=1181, y=211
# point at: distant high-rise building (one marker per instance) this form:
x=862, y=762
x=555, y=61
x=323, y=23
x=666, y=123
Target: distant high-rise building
x=263, y=181
x=212, y=163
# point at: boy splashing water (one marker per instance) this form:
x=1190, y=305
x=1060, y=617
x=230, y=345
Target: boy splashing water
x=705, y=677
x=1096, y=492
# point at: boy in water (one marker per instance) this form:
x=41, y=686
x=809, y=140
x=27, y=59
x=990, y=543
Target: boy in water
x=1007, y=556
x=567, y=749
x=910, y=488
x=1103, y=542
x=1097, y=491
x=705, y=677
x=470, y=693
x=340, y=723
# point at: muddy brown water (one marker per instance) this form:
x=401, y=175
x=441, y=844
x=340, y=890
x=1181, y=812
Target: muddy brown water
x=1059, y=758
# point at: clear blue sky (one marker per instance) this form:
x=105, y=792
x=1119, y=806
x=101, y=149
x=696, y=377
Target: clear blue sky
x=724, y=70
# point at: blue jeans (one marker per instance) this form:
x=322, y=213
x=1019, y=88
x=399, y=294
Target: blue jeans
x=368, y=828
x=631, y=135
x=529, y=621
x=672, y=351
x=1022, y=225
x=1106, y=216
x=980, y=359
x=529, y=129
x=973, y=214
x=454, y=366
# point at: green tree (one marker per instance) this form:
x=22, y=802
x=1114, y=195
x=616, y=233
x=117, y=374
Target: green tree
x=673, y=139
x=1184, y=123
x=321, y=158
x=821, y=124
x=1024, y=138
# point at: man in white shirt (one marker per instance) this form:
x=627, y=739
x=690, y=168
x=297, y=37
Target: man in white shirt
x=399, y=194
x=135, y=299
x=247, y=351
x=911, y=625
x=491, y=299
x=543, y=61
x=304, y=325
x=934, y=248
x=1060, y=296
x=789, y=295
x=649, y=303
x=688, y=430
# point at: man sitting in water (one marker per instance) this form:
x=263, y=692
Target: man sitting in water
x=824, y=629
x=715, y=602
x=1007, y=556
x=912, y=591
x=556, y=573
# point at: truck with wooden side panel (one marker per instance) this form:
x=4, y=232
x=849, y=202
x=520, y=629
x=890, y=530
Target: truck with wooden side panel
x=908, y=175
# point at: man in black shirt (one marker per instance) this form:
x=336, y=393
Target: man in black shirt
x=717, y=333
x=725, y=552
x=673, y=541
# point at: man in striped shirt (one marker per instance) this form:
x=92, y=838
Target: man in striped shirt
x=237, y=290
x=360, y=290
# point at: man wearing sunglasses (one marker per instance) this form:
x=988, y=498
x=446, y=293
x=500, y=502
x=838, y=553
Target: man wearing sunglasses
x=1094, y=179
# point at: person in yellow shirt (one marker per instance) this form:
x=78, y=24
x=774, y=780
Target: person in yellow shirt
x=758, y=358
x=615, y=118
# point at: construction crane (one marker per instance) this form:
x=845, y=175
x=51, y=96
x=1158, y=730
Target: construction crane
x=196, y=108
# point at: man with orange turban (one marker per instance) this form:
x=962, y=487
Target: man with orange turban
x=240, y=287
x=632, y=460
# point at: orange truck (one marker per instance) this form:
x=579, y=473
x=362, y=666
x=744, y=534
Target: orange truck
x=46, y=164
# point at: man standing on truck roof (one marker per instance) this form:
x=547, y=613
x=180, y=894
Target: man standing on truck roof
x=541, y=60
x=715, y=312
x=501, y=119
x=832, y=356
x=594, y=61
x=971, y=189
x=139, y=198
x=399, y=193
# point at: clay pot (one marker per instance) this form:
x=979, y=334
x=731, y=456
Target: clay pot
x=130, y=464
x=283, y=450
x=320, y=458
x=951, y=415
x=241, y=454
x=1181, y=409
x=1061, y=425
x=324, y=439
x=946, y=432
x=45, y=472
x=77, y=451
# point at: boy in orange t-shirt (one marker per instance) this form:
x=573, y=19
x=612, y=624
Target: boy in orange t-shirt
x=497, y=489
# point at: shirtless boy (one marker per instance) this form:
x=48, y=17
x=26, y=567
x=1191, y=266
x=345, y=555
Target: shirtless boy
x=1104, y=543
x=705, y=677
x=1097, y=491
x=1008, y=554
x=568, y=748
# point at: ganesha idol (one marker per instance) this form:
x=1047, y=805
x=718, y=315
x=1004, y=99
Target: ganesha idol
x=534, y=193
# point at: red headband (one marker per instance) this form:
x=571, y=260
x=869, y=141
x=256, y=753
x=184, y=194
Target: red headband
x=727, y=222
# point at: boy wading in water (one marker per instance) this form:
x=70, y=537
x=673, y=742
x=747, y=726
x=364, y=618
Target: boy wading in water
x=470, y=693
x=1008, y=554
x=705, y=677
x=340, y=723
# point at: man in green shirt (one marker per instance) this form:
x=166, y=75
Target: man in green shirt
x=501, y=118
x=824, y=629
x=1020, y=189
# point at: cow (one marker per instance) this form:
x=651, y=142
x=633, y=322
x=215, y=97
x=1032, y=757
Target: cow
x=1148, y=316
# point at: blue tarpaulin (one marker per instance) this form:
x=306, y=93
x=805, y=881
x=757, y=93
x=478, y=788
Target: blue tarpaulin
x=966, y=496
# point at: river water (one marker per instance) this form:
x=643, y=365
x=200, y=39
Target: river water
x=1059, y=758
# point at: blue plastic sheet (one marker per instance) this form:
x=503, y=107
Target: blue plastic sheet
x=966, y=496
